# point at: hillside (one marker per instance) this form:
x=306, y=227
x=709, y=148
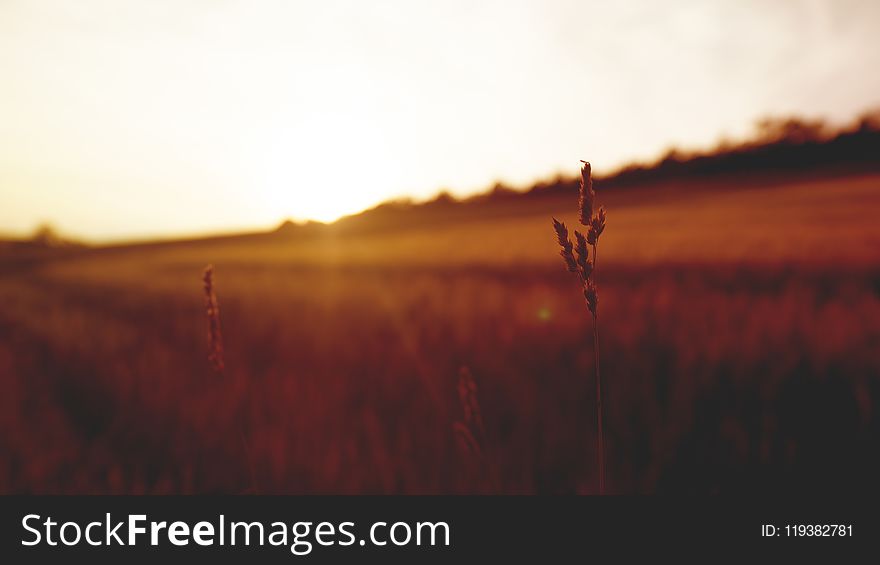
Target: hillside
x=739, y=334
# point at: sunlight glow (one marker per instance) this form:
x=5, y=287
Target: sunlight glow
x=122, y=119
x=327, y=166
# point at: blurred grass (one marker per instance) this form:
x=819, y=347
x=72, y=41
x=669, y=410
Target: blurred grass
x=741, y=327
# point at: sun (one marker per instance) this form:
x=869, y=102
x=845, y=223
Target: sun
x=326, y=166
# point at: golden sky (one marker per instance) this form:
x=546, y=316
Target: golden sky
x=141, y=118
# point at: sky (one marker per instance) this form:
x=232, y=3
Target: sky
x=132, y=119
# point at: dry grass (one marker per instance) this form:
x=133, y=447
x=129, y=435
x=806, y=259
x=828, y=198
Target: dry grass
x=748, y=366
x=212, y=313
x=584, y=267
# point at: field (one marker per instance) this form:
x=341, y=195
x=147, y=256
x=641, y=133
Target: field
x=740, y=348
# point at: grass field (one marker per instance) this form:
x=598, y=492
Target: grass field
x=740, y=350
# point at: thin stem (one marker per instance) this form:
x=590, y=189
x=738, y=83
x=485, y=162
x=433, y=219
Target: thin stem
x=249, y=460
x=600, y=441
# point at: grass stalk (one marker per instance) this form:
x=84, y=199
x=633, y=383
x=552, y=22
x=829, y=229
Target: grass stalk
x=600, y=429
x=217, y=361
x=577, y=260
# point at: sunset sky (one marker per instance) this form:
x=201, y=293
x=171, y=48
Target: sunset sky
x=127, y=119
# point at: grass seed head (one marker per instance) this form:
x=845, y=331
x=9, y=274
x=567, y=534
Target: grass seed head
x=467, y=395
x=584, y=267
x=597, y=226
x=212, y=311
x=470, y=431
x=565, y=243
x=583, y=262
x=591, y=293
x=586, y=195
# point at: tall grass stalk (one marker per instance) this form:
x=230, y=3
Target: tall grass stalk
x=471, y=434
x=470, y=429
x=212, y=313
x=577, y=260
x=217, y=361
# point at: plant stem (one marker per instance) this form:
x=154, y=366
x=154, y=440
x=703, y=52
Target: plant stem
x=600, y=440
x=600, y=430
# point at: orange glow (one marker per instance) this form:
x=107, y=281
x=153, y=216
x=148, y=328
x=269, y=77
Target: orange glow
x=142, y=119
